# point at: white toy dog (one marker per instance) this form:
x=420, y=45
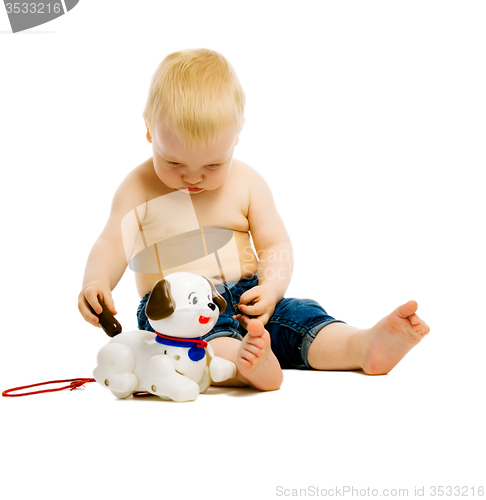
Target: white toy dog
x=175, y=363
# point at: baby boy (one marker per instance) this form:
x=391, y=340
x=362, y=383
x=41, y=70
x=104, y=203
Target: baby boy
x=192, y=207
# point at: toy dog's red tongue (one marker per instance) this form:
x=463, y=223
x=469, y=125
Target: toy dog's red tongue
x=203, y=320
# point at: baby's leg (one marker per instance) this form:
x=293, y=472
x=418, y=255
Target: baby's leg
x=375, y=350
x=255, y=362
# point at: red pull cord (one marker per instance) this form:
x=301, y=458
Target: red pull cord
x=75, y=383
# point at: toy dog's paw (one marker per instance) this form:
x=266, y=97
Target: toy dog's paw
x=115, y=370
x=116, y=357
x=176, y=387
x=121, y=385
x=205, y=381
x=221, y=369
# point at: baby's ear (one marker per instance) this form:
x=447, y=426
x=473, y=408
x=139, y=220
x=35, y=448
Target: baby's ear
x=217, y=299
x=149, y=136
x=160, y=303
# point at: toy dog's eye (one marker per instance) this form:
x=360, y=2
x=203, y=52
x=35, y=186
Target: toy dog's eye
x=193, y=299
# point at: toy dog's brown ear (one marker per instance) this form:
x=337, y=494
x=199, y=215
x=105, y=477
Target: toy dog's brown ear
x=160, y=303
x=217, y=299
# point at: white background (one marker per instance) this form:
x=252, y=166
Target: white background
x=368, y=121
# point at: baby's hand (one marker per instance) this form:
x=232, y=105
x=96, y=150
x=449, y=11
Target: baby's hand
x=259, y=303
x=89, y=296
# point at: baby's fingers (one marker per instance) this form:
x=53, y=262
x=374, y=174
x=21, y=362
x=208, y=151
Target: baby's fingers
x=242, y=320
x=93, y=302
x=249, y=296
x=251, y=309
x=109, y=304
x=264, y=318
x=87, y=311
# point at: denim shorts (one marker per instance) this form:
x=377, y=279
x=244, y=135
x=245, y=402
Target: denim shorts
x=292, y=327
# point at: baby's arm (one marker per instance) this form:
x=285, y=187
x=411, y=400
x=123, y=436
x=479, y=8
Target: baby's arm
x=107, y=260
x=274, y=251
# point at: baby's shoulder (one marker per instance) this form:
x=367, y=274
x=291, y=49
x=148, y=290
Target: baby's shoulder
x=251, y=180
x=135, y=189
x=141, y=182
x=244, y=174
x=144, y=176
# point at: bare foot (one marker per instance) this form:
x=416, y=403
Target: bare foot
x=391, y=338
x=255, y=360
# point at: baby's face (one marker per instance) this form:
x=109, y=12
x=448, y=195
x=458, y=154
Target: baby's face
x=203, y=169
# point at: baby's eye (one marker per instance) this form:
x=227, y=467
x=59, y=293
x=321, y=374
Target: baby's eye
x=213, y=166
x=173, y=163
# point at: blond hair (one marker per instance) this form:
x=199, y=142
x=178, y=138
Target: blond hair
x=199, y=96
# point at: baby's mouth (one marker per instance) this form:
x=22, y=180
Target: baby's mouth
x=203, y=320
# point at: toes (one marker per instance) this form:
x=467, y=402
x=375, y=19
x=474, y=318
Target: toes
x=249, y=357
x=418, y=324
x=257, y=342
x=256, y=350
x=407, y=309
x=244, y=363
x=414, y=319
x=252, y=350
x=254, y=345
x=255, y=328
x=423, y=329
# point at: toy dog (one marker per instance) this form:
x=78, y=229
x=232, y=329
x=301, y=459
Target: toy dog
x=174, y=363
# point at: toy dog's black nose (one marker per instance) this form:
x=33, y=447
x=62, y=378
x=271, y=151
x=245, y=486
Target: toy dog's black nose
x=212, y=306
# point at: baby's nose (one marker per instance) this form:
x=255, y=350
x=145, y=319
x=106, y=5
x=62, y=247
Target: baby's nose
x=192, y=177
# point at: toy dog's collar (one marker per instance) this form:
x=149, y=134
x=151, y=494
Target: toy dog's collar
x=197, y=345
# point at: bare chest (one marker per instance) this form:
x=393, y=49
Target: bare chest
x=178, y=212
x=227, y=208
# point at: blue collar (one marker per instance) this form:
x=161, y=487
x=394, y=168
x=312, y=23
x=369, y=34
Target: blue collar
x=197, y=345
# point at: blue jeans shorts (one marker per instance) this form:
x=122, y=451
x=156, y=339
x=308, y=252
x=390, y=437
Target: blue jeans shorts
x=292, y=327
